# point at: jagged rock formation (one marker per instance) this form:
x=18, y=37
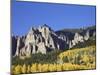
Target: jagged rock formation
x=44, y=39
x=75, y=36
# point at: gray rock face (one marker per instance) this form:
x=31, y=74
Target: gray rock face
x=86, y=37
x=43, y=40
x=77, y=38
x=39, y=40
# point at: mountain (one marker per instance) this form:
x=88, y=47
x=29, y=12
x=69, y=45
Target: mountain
x=44, y=39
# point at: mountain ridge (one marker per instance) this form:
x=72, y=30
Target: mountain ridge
x=44, y=39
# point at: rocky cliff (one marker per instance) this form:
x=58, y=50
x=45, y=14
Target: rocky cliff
x=44, y=39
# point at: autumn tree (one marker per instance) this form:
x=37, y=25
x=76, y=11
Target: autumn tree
x=17, y=69
x=24, y=68
x=28, y=69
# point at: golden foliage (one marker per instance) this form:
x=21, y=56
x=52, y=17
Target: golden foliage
x=71, y=53
x=24, y=68
x=52, y=67
x=28, y=69
x=86, y=58
x=34, y=67
x=17, y=69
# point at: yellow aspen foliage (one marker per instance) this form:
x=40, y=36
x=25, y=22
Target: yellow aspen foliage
x=24, y=68
x=85, y=58
x=17, y=69
x=34, y=67
x=44, y=67
x=65, y=66
x=91, y=66
x=28, y=69
x=59, y=67
x=39, y=66
x=52, y=67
